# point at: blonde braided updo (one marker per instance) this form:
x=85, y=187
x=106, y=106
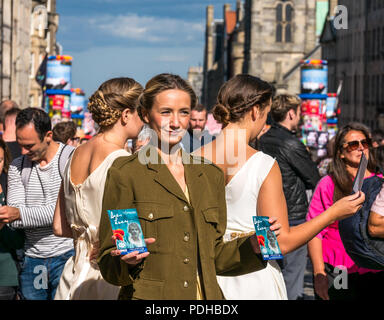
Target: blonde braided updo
x=238, y=95
x=111, y=99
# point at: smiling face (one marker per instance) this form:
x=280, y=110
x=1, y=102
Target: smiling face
x=169, y=115
x=352, y=157
x=30, y=142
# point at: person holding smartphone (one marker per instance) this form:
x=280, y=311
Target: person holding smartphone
x=326, y=250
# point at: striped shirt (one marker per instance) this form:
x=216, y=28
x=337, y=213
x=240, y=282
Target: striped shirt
x=37, y=202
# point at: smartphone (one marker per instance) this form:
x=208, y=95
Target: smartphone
x=358, y=182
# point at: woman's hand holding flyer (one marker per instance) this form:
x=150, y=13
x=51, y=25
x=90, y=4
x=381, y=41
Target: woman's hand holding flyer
x=128, y=236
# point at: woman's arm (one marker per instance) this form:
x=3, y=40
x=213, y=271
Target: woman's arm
x=376, y=225
x=271, y=202
x=61, y=227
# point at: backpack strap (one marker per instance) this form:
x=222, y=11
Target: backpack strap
x=65, y=153
x=26, y=169
x=26, y=164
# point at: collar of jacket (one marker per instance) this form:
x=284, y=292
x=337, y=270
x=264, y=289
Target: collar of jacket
x=192, y=172
x=279, y=126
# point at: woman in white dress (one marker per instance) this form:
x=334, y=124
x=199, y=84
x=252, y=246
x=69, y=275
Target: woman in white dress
x=254, y=185
x=77, y=214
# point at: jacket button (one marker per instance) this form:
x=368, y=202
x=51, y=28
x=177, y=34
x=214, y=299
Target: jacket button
x=186, y=284
x=186, y=236
x=186, y=208
x=186, y=260
x=150, y=216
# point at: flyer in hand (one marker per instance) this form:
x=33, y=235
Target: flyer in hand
x=127, y=230
x=269, y=246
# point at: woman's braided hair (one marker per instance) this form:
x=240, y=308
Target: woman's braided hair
x=238, y=95
x=111, y=99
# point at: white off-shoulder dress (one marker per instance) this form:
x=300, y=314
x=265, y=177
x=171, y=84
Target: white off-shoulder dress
x=241, y=195
x=81, y=278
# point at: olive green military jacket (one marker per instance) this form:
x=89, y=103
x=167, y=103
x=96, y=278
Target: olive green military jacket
x=187, y=234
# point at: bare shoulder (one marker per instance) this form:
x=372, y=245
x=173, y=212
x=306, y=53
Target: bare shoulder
x=274, y=178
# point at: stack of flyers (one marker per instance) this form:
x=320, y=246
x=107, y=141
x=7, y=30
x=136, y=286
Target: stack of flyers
x=127, y=230
x=269, y=246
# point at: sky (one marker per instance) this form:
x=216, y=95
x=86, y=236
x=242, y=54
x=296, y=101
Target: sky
x=132, y=38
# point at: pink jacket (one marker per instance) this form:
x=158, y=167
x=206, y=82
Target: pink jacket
x=333, y=249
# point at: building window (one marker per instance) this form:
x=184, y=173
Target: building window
x=284, y=18
x=279, y=33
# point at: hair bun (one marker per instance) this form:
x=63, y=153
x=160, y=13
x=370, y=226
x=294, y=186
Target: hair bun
x=102, y=114
x=221, y=114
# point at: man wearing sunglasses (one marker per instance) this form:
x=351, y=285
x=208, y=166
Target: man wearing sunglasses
x=299, y=174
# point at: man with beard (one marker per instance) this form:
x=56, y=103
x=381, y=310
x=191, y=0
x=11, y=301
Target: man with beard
x=197, y=136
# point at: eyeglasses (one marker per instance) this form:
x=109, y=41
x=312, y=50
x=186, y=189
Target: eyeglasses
x=75, y=138
x=354, y=145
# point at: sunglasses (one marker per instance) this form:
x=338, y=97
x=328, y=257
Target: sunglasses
x=354, y=145
x=75, y=138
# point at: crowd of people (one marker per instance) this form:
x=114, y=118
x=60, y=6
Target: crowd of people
x=195, y=196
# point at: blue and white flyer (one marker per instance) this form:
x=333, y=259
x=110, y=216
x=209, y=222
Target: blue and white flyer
x=127, y=230
x=269, y=246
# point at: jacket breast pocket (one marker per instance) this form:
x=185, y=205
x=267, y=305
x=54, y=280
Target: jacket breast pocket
x=211, y=215
x=155, y=220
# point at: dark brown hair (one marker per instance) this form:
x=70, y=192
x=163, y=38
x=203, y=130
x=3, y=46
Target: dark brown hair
x=7, y=156
x=160, y=83
x=342, y=179
x=63, y=131
x=238, y=95
x=199, y=108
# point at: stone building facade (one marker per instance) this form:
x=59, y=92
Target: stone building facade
x=14, y=50
x=195, y=79
x=356, y=60
x=269, y=39
x=44, y=25
x=218, y=66
x=27, y=32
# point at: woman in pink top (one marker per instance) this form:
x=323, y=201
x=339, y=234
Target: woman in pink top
x=326, y=250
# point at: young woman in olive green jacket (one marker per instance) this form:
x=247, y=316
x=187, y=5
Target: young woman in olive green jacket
x=180, y=202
